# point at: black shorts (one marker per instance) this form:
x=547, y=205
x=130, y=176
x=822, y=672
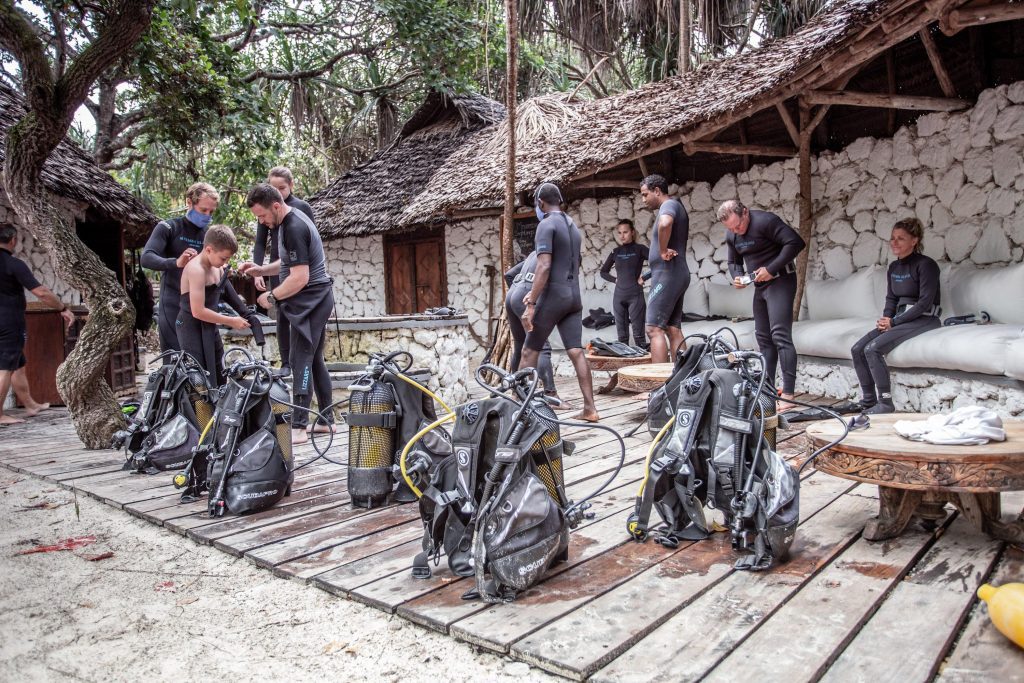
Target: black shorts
x=12, y=349
x=558, y=307
x=665, y=302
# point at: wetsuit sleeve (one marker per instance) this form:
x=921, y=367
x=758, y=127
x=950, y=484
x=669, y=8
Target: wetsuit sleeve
x=304, y=207
x=295, y=237
x=544, y=241
x=510, y=275
x=259, y=247
x=606, y=269
x=735, y=260
x=928, y=291
x=23, y=275
x=891, y=299
x=156, y=246
x=232, y=299
x=790, y=241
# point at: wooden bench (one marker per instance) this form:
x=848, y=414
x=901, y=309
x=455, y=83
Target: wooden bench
x=917, y=479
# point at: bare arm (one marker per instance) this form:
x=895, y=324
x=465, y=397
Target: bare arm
x=298, y=278
x=194, y=279
x=664, y=236
x=46, y=295
x=540, y=277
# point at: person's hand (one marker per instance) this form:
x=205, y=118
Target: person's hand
x=260, y=283
x=528, y=318
x=736, y=283
x=668, y=254
x=185, y=257
x=884, y=324
x=263, y=301
x=239, y=323
x=251, y=269
x=640, y=280
x=762, y=275
x=69, y=318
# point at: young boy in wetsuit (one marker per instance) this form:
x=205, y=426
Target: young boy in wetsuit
x=204, y=281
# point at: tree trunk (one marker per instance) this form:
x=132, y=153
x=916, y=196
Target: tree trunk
x=806, y=205
x=685, y=36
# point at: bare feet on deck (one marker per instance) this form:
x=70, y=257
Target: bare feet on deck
x=36, y=409
x=329, y=428
x=8, y=420
x=784, y=404
x=299, y=436
x=586, y=416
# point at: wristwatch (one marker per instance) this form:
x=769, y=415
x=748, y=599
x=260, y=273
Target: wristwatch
x=271, y=299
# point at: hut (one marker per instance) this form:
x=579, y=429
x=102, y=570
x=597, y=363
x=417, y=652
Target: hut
x=875, y=110
x=109, y=220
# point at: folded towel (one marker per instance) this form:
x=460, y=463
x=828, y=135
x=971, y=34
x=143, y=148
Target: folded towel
x=967, y=426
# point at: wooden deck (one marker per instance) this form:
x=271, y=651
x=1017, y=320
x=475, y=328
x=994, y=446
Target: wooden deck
x=842, y=609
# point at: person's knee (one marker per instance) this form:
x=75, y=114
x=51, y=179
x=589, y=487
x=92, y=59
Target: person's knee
x=873, y=350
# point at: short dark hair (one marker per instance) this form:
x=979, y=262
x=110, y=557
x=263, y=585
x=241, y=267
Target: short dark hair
x=625, y=221
x=221, y=238
x=7, y=233
x=264, y=194
x=549, y=194
x=655, y=182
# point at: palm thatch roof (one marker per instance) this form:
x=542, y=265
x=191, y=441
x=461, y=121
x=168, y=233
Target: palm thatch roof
x=370, y=198
x=616, y=128
x=72, y=174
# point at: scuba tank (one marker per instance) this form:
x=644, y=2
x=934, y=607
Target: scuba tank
x=177, y=402
x=247, y=462
x=386, y=409
x=718, y=450
x=497, y=505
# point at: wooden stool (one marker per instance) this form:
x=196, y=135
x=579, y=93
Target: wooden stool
x=917, y=479
x=614, y=364
x=647, y=377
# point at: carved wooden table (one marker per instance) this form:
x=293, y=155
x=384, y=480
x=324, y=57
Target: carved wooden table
x=647, y=377
x=917, y=479
x=613, y=364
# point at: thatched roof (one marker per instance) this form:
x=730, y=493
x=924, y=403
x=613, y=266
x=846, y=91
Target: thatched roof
x=71, y=173
x=370, y=198
x=611, y=130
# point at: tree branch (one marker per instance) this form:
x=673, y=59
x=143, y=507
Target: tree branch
x=275, y=75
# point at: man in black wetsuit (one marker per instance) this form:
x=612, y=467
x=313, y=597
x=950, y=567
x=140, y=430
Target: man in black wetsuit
x=670, y=276
x=282, y=180
x=628, y=304
x=555, y=300
x=15, y=278
x=172, y=245
x=762, y=246
x=304, y=297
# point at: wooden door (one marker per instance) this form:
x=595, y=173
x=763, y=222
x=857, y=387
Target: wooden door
x=416, y=274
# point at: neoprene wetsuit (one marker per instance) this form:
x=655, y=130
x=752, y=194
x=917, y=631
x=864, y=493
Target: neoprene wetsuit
x=628, y=304
x=669, y=279
x=308, y=311
x=771, y=244
x=912, y=303
x=514, y=309
x=561, y=303
x=15, y=278
x=201, y=339
x=169, y=240
x=259, y=252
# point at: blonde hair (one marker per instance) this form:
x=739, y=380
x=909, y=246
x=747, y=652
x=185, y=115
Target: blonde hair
x=197, y=191
x=282, y=172
x=220, y=238
x=914, y=228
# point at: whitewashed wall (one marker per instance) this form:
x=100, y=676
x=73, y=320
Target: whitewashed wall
x=357, y=266
x=35, y=257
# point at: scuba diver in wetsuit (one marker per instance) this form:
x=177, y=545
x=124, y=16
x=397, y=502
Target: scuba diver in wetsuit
x=172, y=245
x=670, y=276
x=518, y=279
x=555, y=300
x=305, y=297
x=204, y=281
x=911, y=307
x=628, y=304
x=281, y=178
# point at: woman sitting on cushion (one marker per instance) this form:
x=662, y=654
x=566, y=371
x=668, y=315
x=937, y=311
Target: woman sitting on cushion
x=911, y=307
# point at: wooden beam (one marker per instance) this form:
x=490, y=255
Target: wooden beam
x=945, y=82
x=806, y=207
x=880, y=101
x=643, y=167
x=890, y=83
x=959, y=19
x=787, y=121
x=459, y=214
x=602, y=183
x=692, y=148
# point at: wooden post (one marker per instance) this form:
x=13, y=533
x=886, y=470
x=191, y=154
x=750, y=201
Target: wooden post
x=685, y=33
x=806, y=203
x=511, y=77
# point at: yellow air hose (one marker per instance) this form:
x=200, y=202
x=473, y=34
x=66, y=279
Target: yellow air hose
x=412, y=442
x=650, y=452
x=428, y=392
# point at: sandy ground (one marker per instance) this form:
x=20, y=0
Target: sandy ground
x=164, y=608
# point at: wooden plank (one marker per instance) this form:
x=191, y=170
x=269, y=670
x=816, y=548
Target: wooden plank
x=945, y=82
x=959, y=19
x=305, y=567
x=582, y=641
x=787, y=121
x=852, y=98
x=351, y=575
x=694, y=147
x=907, y=636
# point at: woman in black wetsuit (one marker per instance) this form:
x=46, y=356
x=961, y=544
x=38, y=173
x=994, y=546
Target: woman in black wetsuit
x=911, y=307
x=628, y=304
x=204, y=281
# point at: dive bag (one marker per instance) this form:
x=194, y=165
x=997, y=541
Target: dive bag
x=386, y=409
x=698, y=356
x=177, y=403
x=496, y=506
x=719, y=452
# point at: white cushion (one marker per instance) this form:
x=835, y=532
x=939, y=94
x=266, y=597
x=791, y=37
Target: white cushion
x=695, y=300
x=830, y=338
x=995, y=290
x=849, y=297
x=729, y=301
x=744, y=330
x=945, y=296
x=1015, y=358
x=970, y=348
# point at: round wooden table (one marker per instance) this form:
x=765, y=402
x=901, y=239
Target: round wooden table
x=613, y=364
x=917, y=479
x=646, y=377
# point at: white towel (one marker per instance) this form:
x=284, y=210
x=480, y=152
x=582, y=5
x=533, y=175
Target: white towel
x=968, y=426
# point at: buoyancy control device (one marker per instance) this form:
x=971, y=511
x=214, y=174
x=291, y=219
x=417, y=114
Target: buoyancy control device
x=386, y=409
x=245, y=459
x=177, y=403
x=496, y=507
x=718, y=450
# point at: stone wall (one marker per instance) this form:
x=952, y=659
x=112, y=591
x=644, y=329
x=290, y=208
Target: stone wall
x=473, y=246
x=357, y=266
x=36, y=257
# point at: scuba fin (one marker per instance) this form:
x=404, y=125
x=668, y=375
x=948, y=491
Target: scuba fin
x=614, y=348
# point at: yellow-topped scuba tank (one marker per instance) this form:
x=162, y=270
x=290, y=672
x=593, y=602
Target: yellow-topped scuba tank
x=1006, y=609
